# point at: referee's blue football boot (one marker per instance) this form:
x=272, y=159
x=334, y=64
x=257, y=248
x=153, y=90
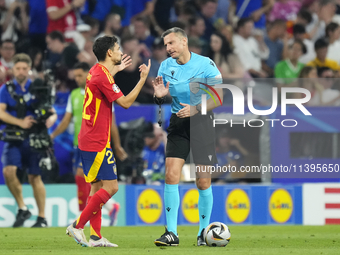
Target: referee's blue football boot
x=167, y=239
x=200, y=239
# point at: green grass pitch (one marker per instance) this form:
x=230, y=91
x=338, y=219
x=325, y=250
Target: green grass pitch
x=245, y=240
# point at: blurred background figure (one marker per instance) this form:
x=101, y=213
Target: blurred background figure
x=250, y=49
x=226, y=61
x=289, y=69
x=154, y=156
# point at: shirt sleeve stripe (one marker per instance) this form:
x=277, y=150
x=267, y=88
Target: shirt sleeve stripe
x=109, y=76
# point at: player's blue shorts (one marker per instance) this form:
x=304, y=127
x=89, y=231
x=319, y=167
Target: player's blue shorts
x=99, y=165
x=76, y=161
x=21, y=155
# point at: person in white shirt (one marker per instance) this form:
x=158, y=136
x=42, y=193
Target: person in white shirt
x=251, y=51
x=333, y=35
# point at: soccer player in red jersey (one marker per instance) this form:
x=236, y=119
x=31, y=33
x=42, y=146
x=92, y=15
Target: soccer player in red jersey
x=94, y=138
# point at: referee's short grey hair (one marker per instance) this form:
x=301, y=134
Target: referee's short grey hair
x=176, y=30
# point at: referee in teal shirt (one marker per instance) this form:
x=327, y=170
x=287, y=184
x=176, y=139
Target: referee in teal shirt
x=175, y=74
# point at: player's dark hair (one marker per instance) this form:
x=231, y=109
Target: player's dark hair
x=321, y=43
x=299, y=29
x=175, y=30
x=241, y=23
x=82, y=65
x=303, y=46
x=102, y=45
x=331, y=27
x=22, y=57
x=57, y=35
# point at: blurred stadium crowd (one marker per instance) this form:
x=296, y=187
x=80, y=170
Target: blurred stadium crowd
x=253, y=42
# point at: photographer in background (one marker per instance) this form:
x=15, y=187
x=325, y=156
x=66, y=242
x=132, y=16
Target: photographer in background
x=16, y=110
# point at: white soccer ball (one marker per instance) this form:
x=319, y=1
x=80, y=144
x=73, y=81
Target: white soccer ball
x=217, y=234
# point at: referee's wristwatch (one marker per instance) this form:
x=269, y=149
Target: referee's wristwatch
x=198, y=108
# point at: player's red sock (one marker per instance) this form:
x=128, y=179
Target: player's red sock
x=83, y=191
x=96, y=224
x=93, y=207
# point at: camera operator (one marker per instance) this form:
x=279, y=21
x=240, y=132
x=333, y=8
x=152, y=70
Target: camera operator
x=16, y=110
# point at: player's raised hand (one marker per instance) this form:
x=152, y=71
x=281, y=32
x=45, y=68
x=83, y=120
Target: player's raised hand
x=126, y=62
x=161, y=90
x=144, y=70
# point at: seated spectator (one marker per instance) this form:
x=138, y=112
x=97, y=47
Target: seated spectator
x=131, y=8
x=321, y=60
x=112, y=26
x=14, y=20
x=7, y=51
x=36, y=55
x=323, y=13
x=321, y=92
x=67, y=55
x=207, y=11
x=94, y=24
x=333, y=35
x=195, y=45
x=310, y=82
x=299, y=32
x=289, y=69
x=226, y=61
x=196, y=27
x=141, y=30
x=285, y=10
x=273, y=39
x=62, y=17
x=182, y=11
x=255, y=9
x=154, y=155
x=251, y=51
x=304, y=17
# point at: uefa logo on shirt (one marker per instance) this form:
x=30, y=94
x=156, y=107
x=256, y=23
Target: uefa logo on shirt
x=115, y=88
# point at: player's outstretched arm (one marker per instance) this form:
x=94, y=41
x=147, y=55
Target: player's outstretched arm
x=128, y=100
x=160, y=89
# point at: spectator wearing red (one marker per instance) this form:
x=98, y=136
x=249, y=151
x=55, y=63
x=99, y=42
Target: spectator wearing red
x=62, y=17
x=7, y=51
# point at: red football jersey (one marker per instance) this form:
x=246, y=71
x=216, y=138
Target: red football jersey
x=66, y=23
x=100, y=92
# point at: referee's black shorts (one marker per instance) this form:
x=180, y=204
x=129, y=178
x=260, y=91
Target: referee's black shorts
x=196, y=133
